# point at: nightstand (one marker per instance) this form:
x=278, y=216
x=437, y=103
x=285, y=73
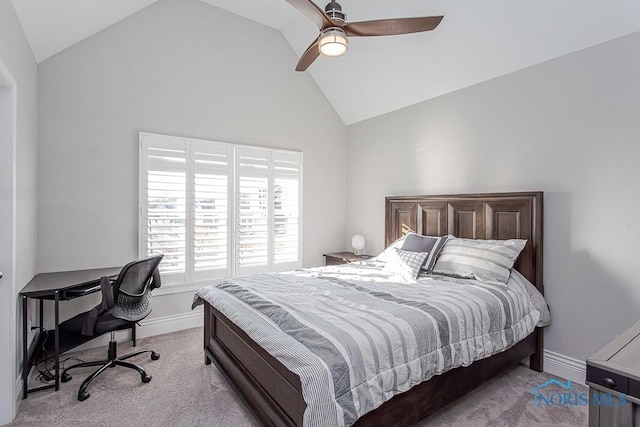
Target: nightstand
x=613, y=377
x=337, y=258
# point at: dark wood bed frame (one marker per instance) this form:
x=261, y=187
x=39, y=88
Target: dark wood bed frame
x=274, y=393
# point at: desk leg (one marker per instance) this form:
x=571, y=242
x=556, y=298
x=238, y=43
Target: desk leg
x=41, y=314
x=57, y=339
x=25, y=355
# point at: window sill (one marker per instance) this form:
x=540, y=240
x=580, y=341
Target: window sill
x=179, y=288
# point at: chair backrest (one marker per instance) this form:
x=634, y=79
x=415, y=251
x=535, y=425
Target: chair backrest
x=135, y=277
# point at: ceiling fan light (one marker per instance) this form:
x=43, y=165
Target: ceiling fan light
x=333, y=42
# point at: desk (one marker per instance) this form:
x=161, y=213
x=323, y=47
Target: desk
x=60, y=286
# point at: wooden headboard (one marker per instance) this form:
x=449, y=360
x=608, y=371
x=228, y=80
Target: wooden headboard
x=498, y=216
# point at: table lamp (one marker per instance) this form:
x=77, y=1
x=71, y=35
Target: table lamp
x=357, y=243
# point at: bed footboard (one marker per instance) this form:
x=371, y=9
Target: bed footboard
x=271, y=391
x=274, y=394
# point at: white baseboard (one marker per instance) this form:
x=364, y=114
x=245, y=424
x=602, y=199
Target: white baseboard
x=565, y=366
x=151, y=327
x=166, y=324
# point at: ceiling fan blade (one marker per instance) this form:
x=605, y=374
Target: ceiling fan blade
x=309, y=55
x=313, y=12
x=389, y=27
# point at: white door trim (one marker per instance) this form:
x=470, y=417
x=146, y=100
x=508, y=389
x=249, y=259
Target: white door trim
x=8, y=293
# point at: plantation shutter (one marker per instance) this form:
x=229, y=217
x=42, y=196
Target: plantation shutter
x=164, y=201
x=218, y=210
x=253, y=205
x=211, y=209
x=287, y=205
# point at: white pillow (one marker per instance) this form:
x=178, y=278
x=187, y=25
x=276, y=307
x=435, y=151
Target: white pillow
x=486, y=260
x=396, y=244
x=405, y=263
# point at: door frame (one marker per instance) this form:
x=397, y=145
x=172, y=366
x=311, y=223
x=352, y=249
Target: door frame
x=8, y=294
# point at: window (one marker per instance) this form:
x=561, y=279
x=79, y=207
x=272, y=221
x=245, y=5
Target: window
x=218, y=210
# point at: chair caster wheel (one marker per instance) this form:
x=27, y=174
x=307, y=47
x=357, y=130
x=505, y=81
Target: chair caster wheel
x=65, y=377
x=146, y=378
x=155, y=356
x=83, y=396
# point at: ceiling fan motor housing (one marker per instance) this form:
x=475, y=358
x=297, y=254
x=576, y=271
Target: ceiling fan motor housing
x=334, y=10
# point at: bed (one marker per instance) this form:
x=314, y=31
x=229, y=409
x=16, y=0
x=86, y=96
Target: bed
x=274, y=393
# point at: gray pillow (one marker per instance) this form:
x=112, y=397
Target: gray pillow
x=431, y=244
x=485, y=260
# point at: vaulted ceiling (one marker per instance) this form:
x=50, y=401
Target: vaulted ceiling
x=476, y=41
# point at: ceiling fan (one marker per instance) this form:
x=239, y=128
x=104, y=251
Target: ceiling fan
x=334, y=29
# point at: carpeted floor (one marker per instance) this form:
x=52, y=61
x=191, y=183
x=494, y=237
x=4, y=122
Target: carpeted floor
x=186, y=392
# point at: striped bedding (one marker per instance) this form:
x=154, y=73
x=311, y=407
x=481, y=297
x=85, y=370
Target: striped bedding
x=357, y=335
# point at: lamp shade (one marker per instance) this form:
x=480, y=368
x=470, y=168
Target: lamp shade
x=333, y=42
x=357, y=243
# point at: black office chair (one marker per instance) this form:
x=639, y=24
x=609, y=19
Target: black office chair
x=124, y=302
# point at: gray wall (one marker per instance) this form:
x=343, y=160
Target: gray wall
x=569, y=127
x=16, y=55
x=179, y=67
